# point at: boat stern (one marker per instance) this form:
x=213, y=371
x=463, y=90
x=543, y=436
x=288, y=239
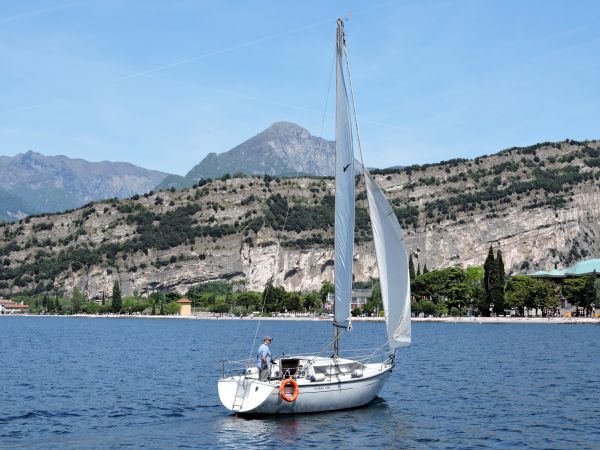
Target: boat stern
x=243, y=395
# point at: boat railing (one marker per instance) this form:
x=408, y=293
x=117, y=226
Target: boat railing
x=247, y=367
x=366, y=355
x=238, y=367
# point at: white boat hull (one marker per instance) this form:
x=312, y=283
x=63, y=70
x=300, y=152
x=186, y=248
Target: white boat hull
x=244, y=395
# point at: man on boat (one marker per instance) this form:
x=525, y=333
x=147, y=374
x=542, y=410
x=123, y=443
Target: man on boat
x=264, y=359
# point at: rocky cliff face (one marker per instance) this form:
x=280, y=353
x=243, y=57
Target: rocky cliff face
x=538, y=205
x=33, y=183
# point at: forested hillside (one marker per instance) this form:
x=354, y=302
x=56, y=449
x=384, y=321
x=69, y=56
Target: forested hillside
x=538, y=205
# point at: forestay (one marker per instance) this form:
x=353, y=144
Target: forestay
x=392, y=261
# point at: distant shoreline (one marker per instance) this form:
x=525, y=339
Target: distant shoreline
x=209, y=316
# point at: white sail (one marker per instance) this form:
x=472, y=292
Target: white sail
x=392, y=262
x=344, y=195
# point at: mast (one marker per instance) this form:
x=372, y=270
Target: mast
x=344, y=197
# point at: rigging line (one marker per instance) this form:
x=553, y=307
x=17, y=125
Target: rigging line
x=324, y=348
x=268, y=287
x=326, y=102
x=288, y=212
x=362, y=161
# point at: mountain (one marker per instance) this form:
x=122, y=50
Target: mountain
x=33, y=183
x=282, y=149
x=12, y=206
x=174, y=181
x=536, y=204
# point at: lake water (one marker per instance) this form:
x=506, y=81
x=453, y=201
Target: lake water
x=102, y=383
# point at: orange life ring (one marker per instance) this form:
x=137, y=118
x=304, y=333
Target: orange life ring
x=284, y=395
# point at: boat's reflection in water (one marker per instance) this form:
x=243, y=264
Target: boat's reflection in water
x=364, y=424
x=235, y=431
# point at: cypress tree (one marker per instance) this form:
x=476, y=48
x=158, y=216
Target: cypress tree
x=589, y=293
x=489, y=271
x=498, y=288
x=162, y=309
x=77, y=300
x=117, y=302
x=425, y=270
x=418, y=269
x=411, y=268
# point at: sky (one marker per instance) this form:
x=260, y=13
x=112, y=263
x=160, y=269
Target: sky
x=161, y=84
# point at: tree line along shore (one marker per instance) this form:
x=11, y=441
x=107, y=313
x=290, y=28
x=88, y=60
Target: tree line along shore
x=482, y=291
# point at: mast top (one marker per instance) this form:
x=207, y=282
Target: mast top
x=340, y=33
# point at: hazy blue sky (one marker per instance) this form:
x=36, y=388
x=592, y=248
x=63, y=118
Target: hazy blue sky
x=162, y=83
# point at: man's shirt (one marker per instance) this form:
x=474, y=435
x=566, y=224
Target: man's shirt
x=263, y=350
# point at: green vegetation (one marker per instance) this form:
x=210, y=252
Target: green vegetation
x=493, y=284
x=581, y=292
x=117, y=301
x=532, y=293
x=299, y=217
x=446, y=289
x=479, y=290
x=449, y=291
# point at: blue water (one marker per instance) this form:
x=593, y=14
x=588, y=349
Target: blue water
x=105, y=383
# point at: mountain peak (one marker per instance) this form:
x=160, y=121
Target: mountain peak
x=284, y=148
x=285, y=128
x=29, y=154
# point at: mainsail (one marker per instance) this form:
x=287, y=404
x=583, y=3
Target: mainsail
x=392, y=262
x=344, y=194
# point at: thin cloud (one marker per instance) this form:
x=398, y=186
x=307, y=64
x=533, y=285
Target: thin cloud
x=39, y=12
x=221, y=51
x=243, y=45
x=28, y=107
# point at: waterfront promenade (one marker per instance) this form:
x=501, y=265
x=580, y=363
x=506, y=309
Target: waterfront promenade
x=212, y=316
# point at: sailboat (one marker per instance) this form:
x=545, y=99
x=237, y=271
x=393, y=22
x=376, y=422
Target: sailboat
x=316, y=383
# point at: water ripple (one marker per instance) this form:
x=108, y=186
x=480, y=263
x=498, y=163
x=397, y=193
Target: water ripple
x=151, y=384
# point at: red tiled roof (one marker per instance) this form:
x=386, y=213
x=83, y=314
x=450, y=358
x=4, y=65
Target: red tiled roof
x=184, y=300
x=14, y=305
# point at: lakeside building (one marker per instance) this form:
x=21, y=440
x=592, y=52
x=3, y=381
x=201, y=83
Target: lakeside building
x=10, y=307
x=185, y=308
x=581, y=269
x=358, y=299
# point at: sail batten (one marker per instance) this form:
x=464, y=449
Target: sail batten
x=344, y=194
x=392, y=262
